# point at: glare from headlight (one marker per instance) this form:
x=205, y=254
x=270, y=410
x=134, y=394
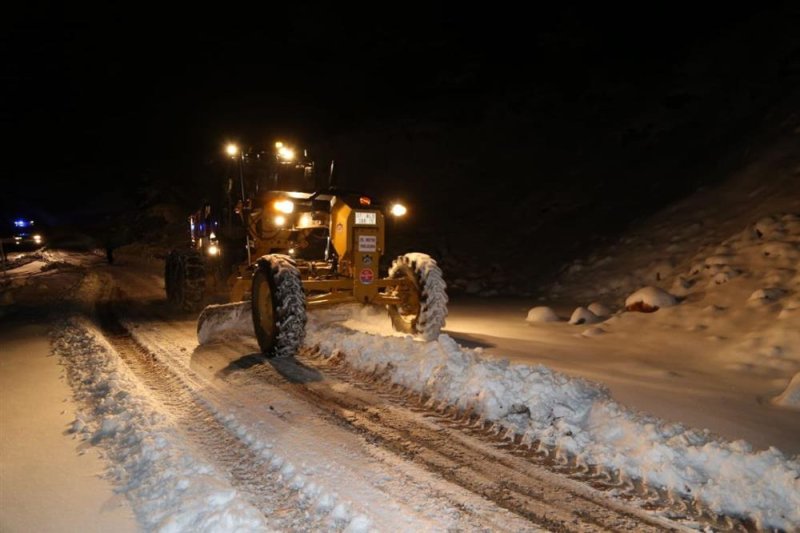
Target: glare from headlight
x=284, y=206
x=213, y=250
x=37, y=239
x=280, y=220
x=306, y=220
x=287, y=154
x=399, y=210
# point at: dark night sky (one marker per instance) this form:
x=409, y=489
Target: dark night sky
x=95, y=99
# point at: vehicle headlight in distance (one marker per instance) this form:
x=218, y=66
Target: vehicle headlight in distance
x=37, y=239
x=213, y=250
x=284, y=206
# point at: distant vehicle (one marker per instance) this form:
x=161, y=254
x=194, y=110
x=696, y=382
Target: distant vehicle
x=24, y=235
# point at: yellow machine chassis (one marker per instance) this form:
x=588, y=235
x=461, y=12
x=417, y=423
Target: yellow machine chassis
x=320, y=293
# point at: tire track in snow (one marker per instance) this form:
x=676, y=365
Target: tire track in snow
x=248, y=472
x=512, y=483
x=484, y=437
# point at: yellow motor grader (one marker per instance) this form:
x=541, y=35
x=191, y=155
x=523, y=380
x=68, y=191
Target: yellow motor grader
x=277, y=251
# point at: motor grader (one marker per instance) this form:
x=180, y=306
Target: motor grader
x=279, y=247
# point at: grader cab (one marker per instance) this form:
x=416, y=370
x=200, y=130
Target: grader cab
x=302, y=250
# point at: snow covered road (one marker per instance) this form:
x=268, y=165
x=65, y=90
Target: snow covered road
x=367, y=430
x=375, y=454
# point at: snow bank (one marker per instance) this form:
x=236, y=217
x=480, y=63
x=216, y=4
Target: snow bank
x=169, y=489
x=649, y=299
x=579, y=419
x=791, y=396
x=542, y=314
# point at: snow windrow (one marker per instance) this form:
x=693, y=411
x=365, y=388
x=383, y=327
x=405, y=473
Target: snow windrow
x=579, y=419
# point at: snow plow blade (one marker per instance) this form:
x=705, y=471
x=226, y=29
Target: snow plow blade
x=216, y=322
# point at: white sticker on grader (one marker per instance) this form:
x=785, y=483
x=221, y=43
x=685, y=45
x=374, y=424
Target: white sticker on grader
x=367, y=243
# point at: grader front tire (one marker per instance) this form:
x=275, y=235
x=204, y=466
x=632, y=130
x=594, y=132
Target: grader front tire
x=278, y=303
x=423, y=307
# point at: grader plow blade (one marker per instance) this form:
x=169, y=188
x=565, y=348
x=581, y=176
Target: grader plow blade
x=217, y=322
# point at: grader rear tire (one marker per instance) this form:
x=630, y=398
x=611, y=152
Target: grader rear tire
x=279, y=306
x=185, y=279
x=424, y=298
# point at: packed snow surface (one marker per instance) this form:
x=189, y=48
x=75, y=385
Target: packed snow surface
x=579, y=419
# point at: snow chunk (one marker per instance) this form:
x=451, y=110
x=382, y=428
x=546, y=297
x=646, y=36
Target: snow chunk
x=791, y=396
x=649, y=299
x=542, y=314
x=599, y=309
x=581, y=315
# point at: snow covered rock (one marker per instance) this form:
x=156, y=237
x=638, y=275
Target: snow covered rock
x=790, y=309
x=791, y=396
x=594, y=331
x=768, y=227
x=542, y=314
x=581, y=315
x=649, y=299
x=766, y=295
x=599, y=309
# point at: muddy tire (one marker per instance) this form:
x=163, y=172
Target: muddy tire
x=185, y=279
x=279, y=306
x=423, y=310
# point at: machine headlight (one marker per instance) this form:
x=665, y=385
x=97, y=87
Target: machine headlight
x=398, y=210
x=37, y=239
x=284, y=206
x=213, y=250
x=286, y=153
x=280, y=220
x=306, y=220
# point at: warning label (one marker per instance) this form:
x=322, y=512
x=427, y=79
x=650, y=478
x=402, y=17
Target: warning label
x=366, y=276
x=367, y=243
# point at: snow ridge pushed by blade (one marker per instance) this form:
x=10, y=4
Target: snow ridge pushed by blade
x=579, y=419
x=169, y=489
